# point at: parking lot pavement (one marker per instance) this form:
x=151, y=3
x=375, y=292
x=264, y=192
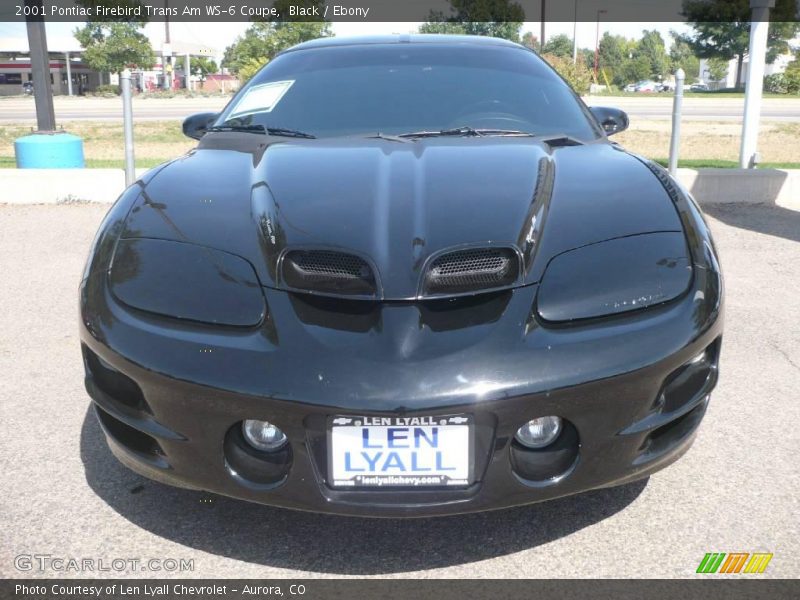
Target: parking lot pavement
x=735, y=491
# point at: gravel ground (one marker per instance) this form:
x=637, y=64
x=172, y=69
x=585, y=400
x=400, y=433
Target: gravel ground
x=735, y=491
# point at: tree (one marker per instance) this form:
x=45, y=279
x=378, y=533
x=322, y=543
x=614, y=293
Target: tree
x=264, y=40
x=586, y=56
x=717, y=68
x=529, y=40
x=634, y=69
x=111, y=47
x=495, y=18
x=681, y=56
x=613, y=53
x=443, y=27
x=578, y=75
x=651, y=47
x=559, y=45
x=203, y=64
x=722, y=29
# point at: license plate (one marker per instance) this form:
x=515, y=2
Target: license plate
x=400, y=451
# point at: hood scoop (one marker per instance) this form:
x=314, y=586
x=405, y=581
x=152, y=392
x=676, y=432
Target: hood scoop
x=330, y=272
x=464, y=271
x=471, y=270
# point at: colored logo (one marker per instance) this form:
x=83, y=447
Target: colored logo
x=734, y=562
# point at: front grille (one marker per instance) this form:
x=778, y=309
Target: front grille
x=328, y=271
x=473, y=269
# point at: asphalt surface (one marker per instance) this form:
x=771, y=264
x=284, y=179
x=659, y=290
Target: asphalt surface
x=65, y=495
x=22, y=109
x=699, y=109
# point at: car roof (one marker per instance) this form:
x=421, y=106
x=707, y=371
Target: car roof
x=414, y=38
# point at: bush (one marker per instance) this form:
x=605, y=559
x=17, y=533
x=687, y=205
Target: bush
x=577, y=74
x=783, y=83
x=107, y=90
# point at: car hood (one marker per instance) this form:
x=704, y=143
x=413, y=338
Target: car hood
x=397, y=203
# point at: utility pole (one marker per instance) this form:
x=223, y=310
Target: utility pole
x=759, y=29
x=575, y=36
x=597, y=45
x=40, y=66
x=544, y=18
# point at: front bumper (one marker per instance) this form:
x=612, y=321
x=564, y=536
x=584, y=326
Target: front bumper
x=627, y=385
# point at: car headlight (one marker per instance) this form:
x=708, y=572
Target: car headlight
x=186, y=281
x=615, y=276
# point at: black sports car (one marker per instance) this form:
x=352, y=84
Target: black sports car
x=402, y=276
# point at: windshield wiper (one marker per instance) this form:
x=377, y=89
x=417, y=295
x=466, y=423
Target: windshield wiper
x=290, y=133
x=457, y=131
x=465, y=132
x=276, y=131
x=508, y=132
x=245, y=128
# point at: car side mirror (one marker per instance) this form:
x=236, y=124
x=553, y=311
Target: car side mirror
x=612, y=120
x=196, y=126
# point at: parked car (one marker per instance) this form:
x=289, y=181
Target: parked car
x=647, y=87
x=27, y=88
x=440, y=290
x=699, y=87
x=631, y=87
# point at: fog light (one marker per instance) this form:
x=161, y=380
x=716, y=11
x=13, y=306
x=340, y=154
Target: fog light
x=538, y=433
x=263, y=435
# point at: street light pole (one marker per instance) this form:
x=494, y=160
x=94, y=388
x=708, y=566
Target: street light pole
x=166, y=53
x=69, y=73
x=597, y=44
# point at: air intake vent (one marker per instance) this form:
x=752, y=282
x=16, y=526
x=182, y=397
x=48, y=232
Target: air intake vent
x=472, y=270
x=328, y=272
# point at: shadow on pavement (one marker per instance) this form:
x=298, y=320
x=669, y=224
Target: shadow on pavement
x=761, y=218
x=329, y=544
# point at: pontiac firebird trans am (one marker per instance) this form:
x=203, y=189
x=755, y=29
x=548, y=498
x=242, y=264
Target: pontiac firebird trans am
x=402, y=276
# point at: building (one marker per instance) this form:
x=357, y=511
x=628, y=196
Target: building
x=67, y=73
x=729, y=80
x=70, y=76
x=171, y=62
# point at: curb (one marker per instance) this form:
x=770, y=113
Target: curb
x=708, y=186
x=62, y=186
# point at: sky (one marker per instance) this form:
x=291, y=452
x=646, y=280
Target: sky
x=219, y=35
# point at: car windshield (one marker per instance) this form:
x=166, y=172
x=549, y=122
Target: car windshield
x=396, y=89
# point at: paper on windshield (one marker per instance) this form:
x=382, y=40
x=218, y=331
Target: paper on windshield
x=261, y=98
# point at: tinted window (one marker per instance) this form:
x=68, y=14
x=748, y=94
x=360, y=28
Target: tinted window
x=401, y=88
